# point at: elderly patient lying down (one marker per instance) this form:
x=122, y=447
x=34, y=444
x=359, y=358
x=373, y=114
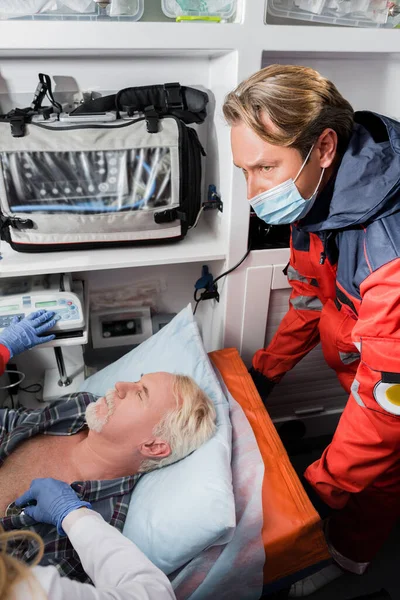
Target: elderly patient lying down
x=101, y=447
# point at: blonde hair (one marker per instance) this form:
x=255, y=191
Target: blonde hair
x=300, y=103
x=186, y=427
x=12, y=570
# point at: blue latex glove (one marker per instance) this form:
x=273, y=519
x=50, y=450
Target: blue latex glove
x=54, y=501
x=23, y=335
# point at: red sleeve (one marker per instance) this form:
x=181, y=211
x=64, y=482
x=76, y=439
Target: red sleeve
x=377, y=335
x=4, y=358
x=298, y=331
x=366, y=443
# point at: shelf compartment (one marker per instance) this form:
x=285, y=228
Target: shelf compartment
x=75, y=10
x=370, y=14
x=199, y=245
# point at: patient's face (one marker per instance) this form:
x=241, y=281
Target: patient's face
x=129, y=413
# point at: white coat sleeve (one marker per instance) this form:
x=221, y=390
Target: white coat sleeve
x=118, y=569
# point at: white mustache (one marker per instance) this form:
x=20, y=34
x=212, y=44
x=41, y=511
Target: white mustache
x=110, y=401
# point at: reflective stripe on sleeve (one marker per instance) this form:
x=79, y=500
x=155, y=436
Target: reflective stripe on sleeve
x=354, y=390
x=349, y=357
x=294, y=275
x=306, y=303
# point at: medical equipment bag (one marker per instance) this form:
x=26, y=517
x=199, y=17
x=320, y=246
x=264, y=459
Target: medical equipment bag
x=68, y=185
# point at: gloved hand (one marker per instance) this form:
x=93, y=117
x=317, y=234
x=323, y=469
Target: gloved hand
x=263, y=384
x=23, y=335
x=54, y=501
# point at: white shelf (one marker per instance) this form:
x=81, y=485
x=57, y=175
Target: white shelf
x=198, y=246
x=18, y=37
x=58, y=38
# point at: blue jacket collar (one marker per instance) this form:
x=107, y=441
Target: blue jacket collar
x=367, y=182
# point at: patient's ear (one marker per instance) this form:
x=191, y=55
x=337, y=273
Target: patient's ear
x=155, y=448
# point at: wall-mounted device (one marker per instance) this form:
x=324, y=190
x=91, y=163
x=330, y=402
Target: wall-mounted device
x=120, y=327
x=125, y=326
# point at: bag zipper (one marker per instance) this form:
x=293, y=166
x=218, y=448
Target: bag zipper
x=99, y=126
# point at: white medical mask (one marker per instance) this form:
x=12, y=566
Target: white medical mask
x=284, y=204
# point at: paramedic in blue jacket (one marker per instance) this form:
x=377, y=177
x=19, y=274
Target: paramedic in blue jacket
x=334, y=175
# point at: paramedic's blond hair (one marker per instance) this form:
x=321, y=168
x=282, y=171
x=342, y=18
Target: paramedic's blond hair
x=186, y=427
x=298, y=100
x=12, y=571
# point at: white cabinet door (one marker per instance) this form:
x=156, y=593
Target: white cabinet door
x=255, y=311
x=247, y=291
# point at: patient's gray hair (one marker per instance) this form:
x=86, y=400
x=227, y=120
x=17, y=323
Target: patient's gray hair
x=186, y=427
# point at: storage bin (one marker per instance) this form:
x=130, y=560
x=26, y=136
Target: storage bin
x=350, y=13
x=72, y=10
x=225, y=9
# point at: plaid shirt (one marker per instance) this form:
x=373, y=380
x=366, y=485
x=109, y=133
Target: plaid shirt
x=109, y=498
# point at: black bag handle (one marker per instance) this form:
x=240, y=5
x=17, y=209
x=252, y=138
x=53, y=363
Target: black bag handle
x=186, y=103
x=164, y=98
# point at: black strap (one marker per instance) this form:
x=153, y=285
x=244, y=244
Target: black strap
x=169, y=215
x=15, y=223
x=17, y=123
x=173, y=96
x=19, y=117
x=388, y=377
x=45, y=81
x=152, y=119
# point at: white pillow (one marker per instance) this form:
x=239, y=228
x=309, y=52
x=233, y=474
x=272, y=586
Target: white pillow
x=178, y=511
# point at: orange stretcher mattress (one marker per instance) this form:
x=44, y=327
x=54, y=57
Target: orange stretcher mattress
x=291, y=530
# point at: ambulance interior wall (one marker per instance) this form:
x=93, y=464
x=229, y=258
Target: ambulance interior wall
x=370, y=81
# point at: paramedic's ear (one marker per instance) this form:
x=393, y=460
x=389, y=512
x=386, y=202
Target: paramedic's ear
x=327, y=147
x=156, y=448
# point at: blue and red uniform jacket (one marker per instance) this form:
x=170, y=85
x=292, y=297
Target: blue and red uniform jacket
x=344, y=272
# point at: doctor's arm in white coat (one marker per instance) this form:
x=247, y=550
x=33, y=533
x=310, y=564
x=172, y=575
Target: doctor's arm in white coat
x=118, y=569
